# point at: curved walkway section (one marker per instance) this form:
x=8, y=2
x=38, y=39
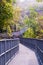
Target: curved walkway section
x=24, y=57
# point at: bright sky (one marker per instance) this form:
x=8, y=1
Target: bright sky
x=26, y=3
x=27, y=0
x=22, y=0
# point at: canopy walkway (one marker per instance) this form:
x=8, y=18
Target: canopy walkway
x=24, y=57
x=21, y=31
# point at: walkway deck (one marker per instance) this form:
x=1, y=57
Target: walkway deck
x=24, y=57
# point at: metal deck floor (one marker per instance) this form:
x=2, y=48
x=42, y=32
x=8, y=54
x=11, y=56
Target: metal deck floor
x=25, y=57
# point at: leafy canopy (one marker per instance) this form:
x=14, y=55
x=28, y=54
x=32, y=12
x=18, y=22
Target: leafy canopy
x=6, y=15
x=33, y=26
x=39, y=0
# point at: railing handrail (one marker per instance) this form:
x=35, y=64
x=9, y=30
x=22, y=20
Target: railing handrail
x=40, y=49
x=9, y=39
x=8, y=49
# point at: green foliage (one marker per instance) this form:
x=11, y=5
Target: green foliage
x=33, y=28
x=41, y=17
x=9, y=30
x=32, y=25
x=40, y=21
x=17, y=14
x=40, y=34
x=29, y=33
x=9, y=1
x=26, y=20
x=33, y=13
x=14, y=1
x=39, y=0
x=6, y=15
x=6, y=11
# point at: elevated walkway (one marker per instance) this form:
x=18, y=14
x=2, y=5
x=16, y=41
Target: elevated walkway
x=25, y=57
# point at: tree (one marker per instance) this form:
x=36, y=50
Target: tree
x=40, y=21
x=32, y=24
x=39, y=0
x=17, y=14
x=6, y=15
x=29, y=33
x=14, y=1
x=10, y=1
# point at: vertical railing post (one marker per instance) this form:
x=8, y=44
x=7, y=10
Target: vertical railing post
x=8, y=48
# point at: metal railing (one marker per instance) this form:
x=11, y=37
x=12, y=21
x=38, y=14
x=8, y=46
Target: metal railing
x=36, y=45
x=8, y=49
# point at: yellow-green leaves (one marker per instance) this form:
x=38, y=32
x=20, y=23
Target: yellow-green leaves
x=17, y=14
x=33, y=26
x=29, y=33
x=39, y=0
x=9, y=1
x=6, y=15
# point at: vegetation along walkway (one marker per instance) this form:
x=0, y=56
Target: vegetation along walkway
x=24, y=57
